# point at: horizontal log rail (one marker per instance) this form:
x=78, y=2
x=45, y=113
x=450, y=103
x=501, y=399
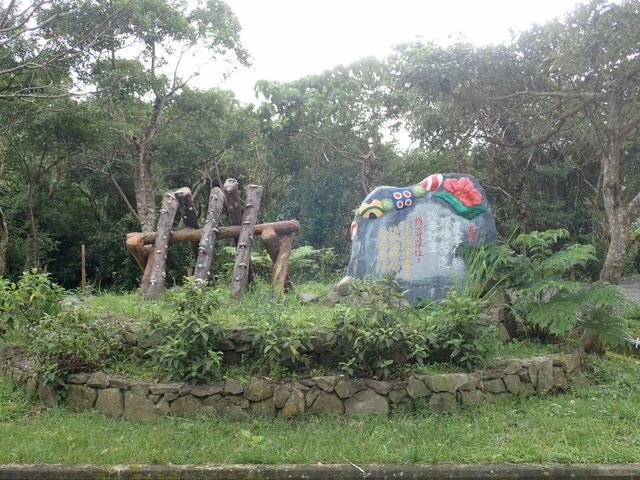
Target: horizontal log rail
x=224, y=233
x=137, y=242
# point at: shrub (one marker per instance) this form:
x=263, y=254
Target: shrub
x=278, y=344
x=71, y=341
x=459, y=331
x=376, y=337
x=25, y=302
x=188, y=349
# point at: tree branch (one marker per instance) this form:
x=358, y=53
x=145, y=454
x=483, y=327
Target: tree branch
x=627, y=127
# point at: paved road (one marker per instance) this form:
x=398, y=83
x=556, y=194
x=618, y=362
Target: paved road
x=631, y=287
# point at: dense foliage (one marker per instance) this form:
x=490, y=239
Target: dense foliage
x=548, y=122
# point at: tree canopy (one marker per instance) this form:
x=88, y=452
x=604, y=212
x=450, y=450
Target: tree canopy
x=99, y=118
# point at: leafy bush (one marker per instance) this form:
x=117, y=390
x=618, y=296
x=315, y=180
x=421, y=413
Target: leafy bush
x=460, y=332
x=25, y=302
x=189, y=339
x=278, y=344
x=72, y=340
x=376, y=337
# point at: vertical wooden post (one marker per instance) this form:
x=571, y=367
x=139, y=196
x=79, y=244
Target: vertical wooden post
x=271, y=241
x=187, y=208
x=232, y=197
x=83, y=281
x=245, y=241
x=161, y=247
x=188, y=212
x=281, y=266
x=208, y=239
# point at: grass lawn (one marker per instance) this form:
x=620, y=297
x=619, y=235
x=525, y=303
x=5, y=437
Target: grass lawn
x=599, y=423
x=237, y=314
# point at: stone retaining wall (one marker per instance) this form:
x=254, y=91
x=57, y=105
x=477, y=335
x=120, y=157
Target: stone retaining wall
x=131, y=399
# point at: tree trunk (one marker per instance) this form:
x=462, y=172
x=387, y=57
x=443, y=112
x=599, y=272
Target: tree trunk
x=615, y=208
x=620, y=242
x=143, y=186
x=208, y=239
x=161, y=247
x=245, y=240
x=4, y=242
x=32, y=258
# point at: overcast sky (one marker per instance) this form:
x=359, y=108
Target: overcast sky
x=289, y=39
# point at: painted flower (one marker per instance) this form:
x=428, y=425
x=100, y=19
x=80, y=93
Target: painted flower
x=463, y=190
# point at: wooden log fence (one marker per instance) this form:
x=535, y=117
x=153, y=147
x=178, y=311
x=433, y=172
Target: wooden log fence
x=208, y=237
x=161, y=247
x=245, y=241
x=150, y=249
x=188, y=211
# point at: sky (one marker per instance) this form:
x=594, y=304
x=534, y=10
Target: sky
x=289, y=39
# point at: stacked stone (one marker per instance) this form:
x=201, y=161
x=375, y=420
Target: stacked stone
x=124, y=398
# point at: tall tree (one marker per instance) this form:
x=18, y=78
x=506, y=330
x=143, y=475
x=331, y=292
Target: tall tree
x=549, y=87
x=135, y=93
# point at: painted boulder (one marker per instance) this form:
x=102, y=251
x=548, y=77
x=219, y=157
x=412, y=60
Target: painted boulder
x=414, y=233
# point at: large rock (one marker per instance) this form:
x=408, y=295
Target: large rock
x=513, y=383
x=443, y=402
x=295, y=404
x=186, y=406
x=464, y=381
x=110, y=401
x=348, y=388
x=379, y=386
x=263, y=408
x=98, y=380
x=281, y=394
x=80, y=398
x=367, y=402
x=233, y=387
x=47, y=394
x=441, y=383
x=223, y=407
x=327, y=403
x=203, y=391
x=473, y=397
x=494, y=386
x=544, y=377
x=258, y=390
x=140, y=408
x=414, y=233
x=560, y=379
x=327, y=383
x=78, y=378
x=416, y=388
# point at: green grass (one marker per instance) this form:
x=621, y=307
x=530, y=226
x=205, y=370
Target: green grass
x=596, y=424
x=237, y=314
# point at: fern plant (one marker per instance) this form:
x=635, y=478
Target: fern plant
x=551, y=293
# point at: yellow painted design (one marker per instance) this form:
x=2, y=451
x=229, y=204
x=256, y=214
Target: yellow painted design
x=371, y=210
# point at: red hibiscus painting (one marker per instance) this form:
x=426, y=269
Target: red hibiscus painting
x=463, y=190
